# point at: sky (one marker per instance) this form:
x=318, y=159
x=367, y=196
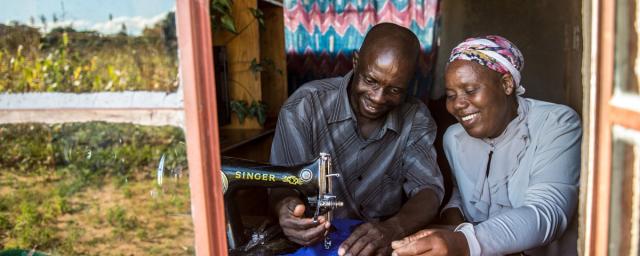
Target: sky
x=88, y=14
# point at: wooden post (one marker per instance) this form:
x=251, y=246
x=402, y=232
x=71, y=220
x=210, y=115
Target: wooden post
x=201, y=122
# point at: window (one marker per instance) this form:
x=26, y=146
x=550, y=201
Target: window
x=94, y=156
x=613, y=225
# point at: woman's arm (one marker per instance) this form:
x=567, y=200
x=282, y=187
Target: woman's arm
x=550, y=203
x=551, y=198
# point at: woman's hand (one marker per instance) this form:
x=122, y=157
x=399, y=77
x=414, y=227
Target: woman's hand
x=432, y=242
x=298, y=229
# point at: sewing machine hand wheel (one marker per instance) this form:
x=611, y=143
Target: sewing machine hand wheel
x=326, y=201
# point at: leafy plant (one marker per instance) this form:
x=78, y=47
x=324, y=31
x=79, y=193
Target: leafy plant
x=241, y=109
x=66, y=60
x=256, y=67
x=221, y=18
x=259, y=15
x=30, y=228
x=88, y=151
x=257, y=109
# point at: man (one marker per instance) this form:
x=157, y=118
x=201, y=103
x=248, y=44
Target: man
x=380, y=142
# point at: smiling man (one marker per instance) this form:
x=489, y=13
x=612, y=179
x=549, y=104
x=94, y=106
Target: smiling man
x=381, y=142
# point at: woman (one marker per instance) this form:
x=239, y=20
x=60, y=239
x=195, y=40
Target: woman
x=516, y=162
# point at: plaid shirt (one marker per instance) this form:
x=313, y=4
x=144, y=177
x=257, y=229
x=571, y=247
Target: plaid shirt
x=378, y=174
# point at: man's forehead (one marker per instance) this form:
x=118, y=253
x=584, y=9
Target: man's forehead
x=386, y=58
x=381, y=55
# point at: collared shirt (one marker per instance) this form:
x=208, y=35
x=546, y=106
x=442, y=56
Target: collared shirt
x=527, y=200
x=378, y=174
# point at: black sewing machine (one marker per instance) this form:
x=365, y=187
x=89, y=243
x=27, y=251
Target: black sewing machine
x=313, y=181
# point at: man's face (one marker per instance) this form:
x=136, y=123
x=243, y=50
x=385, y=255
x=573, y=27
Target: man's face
x=477, y=98
x=379, y=83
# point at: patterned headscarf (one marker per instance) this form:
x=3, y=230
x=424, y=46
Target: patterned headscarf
x=493, y=52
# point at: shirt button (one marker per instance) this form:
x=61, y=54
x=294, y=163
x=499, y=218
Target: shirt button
x=360, y=178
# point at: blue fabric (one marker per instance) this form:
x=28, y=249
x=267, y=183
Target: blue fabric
x=343, y=228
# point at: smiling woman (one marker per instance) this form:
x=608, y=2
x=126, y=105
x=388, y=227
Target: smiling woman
x=476, y=97
x=514, y=160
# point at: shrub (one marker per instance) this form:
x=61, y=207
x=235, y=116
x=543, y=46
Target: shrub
x=65, y=60
x=89, y=151
x=26, y=148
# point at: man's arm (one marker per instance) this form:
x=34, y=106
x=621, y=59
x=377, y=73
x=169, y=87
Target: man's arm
x=292, y=139
x=292, y=145
x=415, y=214
x=452, y=212
x=375, y=238
x=422, y=183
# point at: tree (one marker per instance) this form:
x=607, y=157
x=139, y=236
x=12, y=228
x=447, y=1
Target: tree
x=123, y=29
x=43, y=19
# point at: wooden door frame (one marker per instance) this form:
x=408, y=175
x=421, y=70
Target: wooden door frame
x=596, y=232
x=597, y=229
x=201, y=126
x=196, y=72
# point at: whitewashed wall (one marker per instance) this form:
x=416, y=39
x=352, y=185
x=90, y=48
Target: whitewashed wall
x=144, y=108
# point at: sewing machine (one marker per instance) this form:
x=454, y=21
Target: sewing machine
x=313, y=181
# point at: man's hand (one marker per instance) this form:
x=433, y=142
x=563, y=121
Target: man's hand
x=375, y=238
x=432, y=242
x=298, y=229
x=370, y=239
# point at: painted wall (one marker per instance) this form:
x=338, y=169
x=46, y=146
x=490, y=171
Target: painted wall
x=548, y=32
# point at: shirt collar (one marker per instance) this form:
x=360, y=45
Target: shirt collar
x=393, y=120
x=512, y=128
x=342, y=109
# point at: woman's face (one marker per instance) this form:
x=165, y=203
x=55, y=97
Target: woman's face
x=480, y=98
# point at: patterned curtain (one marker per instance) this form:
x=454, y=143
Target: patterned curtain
x=320, y=36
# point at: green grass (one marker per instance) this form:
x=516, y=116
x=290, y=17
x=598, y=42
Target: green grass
x=60, y=199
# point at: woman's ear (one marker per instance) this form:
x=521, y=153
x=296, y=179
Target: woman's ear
x=508, y=86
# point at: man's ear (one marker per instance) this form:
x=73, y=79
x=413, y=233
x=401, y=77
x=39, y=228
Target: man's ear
x=355, y=60
x=508, y=86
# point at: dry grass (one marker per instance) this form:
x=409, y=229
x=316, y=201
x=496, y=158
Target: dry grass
x=135, y=218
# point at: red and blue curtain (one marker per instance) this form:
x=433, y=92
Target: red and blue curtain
x=320, y=36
